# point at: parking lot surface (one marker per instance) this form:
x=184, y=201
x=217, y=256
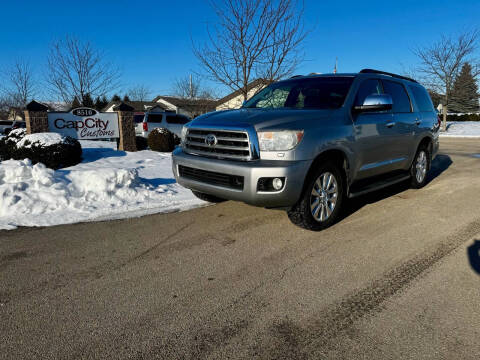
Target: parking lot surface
x=397, y=278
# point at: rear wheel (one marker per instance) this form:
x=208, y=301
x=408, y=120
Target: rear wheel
x=321, y=202
x=207, y=197
x=420, y=167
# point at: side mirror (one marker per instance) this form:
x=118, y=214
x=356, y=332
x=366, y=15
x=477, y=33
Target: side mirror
x=375, y=102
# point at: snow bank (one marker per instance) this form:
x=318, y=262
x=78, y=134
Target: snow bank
x=108, y=184
x=465, y=129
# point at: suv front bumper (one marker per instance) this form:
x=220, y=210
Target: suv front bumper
x=294, y=173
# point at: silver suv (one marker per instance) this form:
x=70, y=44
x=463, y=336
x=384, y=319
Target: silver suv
x=306, y=143
x=167, y=120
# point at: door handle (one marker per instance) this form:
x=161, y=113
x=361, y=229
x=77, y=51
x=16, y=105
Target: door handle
x=417, y=121
x=390, y=124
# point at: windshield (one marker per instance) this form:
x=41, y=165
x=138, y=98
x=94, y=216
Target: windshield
x=304, y=93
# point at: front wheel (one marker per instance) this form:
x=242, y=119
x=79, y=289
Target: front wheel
x=419, y=168
x=320, y=204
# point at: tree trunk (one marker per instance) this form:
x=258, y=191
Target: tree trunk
x=444, y=121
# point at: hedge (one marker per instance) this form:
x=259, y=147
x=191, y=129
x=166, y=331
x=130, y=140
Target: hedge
x=66, y=152
x=161, y=139
x=463, y=117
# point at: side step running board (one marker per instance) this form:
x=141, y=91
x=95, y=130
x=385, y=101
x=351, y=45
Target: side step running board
x=378, y=185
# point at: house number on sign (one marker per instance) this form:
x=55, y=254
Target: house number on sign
x=84, y=112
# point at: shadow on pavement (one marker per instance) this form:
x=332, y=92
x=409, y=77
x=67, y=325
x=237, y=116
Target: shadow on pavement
x=94, y=154
x=473, y=253
x=439, y=165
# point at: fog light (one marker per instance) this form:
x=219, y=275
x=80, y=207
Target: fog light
x=268, y=184
x=277, y=183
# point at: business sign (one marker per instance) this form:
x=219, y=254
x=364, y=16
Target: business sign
x=84, y=123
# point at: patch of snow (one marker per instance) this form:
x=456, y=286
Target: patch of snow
x=16, y=134
x=98, y=144
x=462, y=129
x=42, y=139
x=108, y=184
x=161, y=131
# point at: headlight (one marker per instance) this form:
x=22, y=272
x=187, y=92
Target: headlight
x=279, y=140
x=183, y=135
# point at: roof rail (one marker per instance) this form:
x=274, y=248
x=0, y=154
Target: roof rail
x=372, y=71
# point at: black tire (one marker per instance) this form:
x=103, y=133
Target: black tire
x=417, y=181
x=301, y=213
x=207, y=197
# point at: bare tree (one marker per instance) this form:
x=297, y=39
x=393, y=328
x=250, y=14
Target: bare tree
x=76, y=69
x=442, y=62
x=197, y=98
x=139, y=93
x=4, y=107
x=191, y=87
x=19, y=86
x=252, y=39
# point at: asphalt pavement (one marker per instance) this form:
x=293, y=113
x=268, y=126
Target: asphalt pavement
x=397, y=278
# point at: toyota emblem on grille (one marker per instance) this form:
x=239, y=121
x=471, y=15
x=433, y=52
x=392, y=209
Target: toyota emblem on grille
x=211, y=140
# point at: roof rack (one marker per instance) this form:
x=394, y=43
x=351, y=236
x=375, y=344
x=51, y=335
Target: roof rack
x=295, y=76
x=372, y=71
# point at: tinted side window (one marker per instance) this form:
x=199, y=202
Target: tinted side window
x=368, y=87
x=6, y=122
x=401, y=101
x=138, y=118
x=314, y=93
x=154, y=118
x=422, y=98
x=177, y=119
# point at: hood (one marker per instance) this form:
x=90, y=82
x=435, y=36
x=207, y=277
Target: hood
x=259, y=118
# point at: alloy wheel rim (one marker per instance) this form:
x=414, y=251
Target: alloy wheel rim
x=421, y=166
x=324, y=197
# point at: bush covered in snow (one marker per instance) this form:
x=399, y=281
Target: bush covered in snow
x=161, y=140
x=463, y=117
x=53, y=150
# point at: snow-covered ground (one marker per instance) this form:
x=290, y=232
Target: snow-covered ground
x=466, y=129
x=108, y=184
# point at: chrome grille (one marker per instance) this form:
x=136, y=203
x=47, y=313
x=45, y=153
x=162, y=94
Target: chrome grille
x=229, y=144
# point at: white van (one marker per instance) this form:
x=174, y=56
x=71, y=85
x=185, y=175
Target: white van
x=4, y=125
x=8, y=125
x=167, y=120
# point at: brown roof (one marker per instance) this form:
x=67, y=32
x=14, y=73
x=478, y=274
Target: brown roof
x=236, y=93
x=138, y=106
